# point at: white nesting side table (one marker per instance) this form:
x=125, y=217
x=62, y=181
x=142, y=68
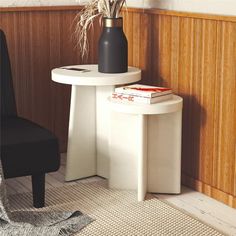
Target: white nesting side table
x=87, y=152
x=145, y=146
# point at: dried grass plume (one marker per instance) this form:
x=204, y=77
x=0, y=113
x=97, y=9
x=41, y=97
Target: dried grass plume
x=84, y=19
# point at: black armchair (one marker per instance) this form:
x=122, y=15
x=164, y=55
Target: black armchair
x=26, y=148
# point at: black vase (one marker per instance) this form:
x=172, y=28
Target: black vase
x=113, y=47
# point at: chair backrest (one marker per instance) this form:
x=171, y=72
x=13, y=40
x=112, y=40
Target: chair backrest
x=8, y=104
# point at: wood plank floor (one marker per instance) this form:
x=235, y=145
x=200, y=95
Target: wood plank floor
x=207, y=209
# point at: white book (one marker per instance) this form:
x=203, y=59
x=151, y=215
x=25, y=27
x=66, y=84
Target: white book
x=143, y=90
x=127, y=98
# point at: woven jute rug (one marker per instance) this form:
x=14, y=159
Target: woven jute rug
x=118, y=212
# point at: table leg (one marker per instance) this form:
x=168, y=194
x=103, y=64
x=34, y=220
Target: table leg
x=128, y=153
x=123, y=146
x=164, y=152
x=102, y=129
x=142, y=157
x=81, y=151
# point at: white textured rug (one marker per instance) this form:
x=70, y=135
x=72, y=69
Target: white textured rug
x=118, y=212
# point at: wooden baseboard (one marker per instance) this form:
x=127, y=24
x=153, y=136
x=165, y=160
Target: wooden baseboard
x=210, y=191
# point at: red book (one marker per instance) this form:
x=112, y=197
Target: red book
x=127, y=98
x=143, y=90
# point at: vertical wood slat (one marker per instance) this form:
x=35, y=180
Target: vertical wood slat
x=228, y=110
x=137, y=31
x=196, y=110
x=184, y=87
x=218, y=98
x=155, y=51
x=175, y=43
x=207, y=100
x=194, y=56
x=145, y=48
x=128, y=28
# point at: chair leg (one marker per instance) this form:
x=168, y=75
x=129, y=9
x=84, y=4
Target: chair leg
x=38, y=189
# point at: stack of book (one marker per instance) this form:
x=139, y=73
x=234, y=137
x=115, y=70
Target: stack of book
x=139, y=93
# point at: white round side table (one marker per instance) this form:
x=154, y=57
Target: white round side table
x=88, y=152
x=145, y=146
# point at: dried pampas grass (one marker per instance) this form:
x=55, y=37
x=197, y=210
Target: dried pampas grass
x=84, y=19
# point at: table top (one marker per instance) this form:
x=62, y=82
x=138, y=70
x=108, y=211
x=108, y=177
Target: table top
x=91, y=77
x=168, y=106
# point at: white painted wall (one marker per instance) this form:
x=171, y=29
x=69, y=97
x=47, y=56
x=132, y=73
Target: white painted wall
x=222, y=7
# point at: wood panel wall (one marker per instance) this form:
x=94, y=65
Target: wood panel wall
x=195, y=54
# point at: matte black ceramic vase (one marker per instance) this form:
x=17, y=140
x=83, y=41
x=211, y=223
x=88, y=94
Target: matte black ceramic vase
x=113, y=47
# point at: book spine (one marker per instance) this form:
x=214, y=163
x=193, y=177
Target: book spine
x=141, y=93
x=126, y=98
x=133, y=92
x=161, y=98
